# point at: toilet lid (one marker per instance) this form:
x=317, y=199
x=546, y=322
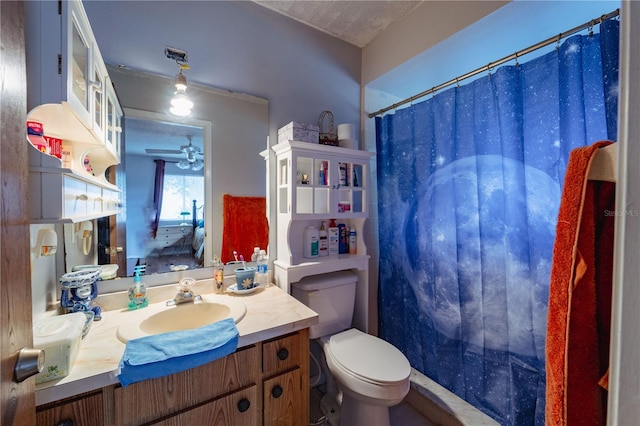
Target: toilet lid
x=369, y=357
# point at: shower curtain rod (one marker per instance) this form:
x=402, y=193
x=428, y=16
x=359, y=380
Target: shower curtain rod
x=508, y=58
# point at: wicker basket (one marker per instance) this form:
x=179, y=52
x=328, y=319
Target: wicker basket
x=330, y=137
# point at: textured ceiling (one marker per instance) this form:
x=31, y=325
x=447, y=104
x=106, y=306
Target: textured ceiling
x=356, y=22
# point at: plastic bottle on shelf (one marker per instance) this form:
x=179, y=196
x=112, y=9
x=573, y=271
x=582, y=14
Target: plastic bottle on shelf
x=254, y=255
x=311, y=237
x=323, y=240
x=353, y=244
x=262, y=274
x=343, y=241
x=334, y=237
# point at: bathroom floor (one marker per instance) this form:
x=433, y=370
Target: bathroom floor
x=400, y=415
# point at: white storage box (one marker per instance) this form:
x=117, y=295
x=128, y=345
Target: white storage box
x=59, y=337
x=299, y=132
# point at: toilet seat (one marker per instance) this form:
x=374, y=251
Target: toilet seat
x=369, y=358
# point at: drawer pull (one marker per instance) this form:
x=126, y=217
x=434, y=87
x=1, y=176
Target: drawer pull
x=276, y=391
x=243, y=405
x=283, y=354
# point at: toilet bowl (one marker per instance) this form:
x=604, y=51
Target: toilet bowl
x=372, y=374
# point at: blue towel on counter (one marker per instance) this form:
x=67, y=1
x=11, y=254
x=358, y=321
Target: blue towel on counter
x=159, y=355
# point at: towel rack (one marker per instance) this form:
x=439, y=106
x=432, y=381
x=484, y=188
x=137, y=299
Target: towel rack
x=604, y=164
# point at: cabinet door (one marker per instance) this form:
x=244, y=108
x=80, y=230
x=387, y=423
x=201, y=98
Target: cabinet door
x=284, y=400
x=113, y=132
x=78, y=43
x=327, y=186
x=98, y=94
x=81, y=411
x=241, y=408
x=313, y=185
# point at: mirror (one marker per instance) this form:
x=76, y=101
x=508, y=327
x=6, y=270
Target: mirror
x=231, y=129
x=176, y=242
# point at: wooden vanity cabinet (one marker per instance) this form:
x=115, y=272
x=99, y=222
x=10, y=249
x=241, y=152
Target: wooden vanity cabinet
x=263, y=384
x=81, y=410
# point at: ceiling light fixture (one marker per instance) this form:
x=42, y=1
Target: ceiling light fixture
x=191, y=162
x=180, y=103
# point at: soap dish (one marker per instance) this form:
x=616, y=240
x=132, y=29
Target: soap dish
x=234, y=289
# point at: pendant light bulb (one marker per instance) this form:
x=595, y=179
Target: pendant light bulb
x=180, y=103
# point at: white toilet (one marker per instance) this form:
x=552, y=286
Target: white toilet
x=372, y=374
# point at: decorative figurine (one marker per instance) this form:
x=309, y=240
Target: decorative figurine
x=78, y=291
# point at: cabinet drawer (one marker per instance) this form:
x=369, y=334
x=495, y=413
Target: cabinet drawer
x=286, y=400
x=239, y=408
x=85, y=410
x=95, y=200
x=284, y=353
x=75, y=197
x=185, y=389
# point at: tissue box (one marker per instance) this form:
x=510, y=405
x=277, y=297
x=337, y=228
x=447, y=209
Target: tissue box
x=299, y=132
x=59, y=337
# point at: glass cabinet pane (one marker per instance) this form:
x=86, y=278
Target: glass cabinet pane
x=98, y=100
x=79, y=61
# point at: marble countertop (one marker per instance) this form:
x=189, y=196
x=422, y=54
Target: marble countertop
x=271, y=312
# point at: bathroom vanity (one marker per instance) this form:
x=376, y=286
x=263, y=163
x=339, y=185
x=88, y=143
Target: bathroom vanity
x=264, y=382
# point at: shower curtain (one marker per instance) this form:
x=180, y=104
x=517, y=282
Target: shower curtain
x=469, y=186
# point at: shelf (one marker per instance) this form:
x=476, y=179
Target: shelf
x=324, y=265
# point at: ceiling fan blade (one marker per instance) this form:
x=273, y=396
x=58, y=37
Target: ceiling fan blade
x=162, y=151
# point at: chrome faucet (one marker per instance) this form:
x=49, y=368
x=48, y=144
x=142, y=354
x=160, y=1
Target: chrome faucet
x=184, y=293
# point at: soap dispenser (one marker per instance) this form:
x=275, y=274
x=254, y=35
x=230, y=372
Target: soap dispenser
x=137, y=292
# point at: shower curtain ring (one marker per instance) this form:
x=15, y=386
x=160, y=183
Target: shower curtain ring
x=593, y=22
x=517, y=63
x=558, y=41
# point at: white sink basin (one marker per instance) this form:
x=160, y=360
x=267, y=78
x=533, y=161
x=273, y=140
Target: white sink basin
x=158, y=318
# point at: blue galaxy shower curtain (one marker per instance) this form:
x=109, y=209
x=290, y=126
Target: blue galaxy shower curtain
x=469, y=186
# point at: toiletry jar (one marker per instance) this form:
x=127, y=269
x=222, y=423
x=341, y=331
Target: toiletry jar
x=59, y=337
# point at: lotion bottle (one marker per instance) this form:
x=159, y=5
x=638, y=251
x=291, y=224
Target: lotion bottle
x=137, y=293
x=323, y=242
x=334, y=237
x=311, y=237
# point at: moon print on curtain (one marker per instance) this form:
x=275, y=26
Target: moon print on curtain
x=469, y=186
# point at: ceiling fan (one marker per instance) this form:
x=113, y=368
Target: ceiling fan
x=191, y=151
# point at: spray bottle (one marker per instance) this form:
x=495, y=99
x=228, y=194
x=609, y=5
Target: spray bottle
x=138, y=291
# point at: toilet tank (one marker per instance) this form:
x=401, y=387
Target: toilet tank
x=332, y=296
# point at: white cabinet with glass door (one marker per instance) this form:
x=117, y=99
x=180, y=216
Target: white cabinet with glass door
x=321, y=182
x=71, y=98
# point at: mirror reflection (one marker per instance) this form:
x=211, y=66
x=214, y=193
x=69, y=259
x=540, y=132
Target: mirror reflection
x=226, y=131
x=165, y=194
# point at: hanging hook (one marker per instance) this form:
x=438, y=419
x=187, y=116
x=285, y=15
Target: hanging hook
x=591, y=24
x=457, y=83
x=489, y=68
x=517, y=63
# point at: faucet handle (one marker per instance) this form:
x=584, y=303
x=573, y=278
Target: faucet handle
x=185, y=283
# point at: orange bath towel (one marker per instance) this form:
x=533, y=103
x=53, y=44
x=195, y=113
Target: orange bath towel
x=579, y=315
x=245, y=226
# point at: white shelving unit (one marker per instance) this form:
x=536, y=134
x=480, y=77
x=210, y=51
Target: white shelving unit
x=71, y=94
x=317, y=183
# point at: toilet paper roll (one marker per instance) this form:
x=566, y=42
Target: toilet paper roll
x=346, y=131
